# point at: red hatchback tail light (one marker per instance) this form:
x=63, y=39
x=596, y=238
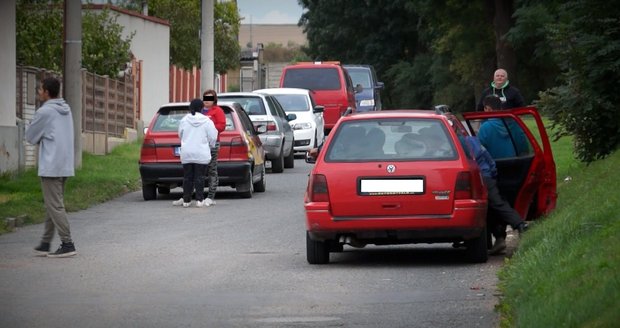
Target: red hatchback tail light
x=317, y=189
x=238, y=146
x=148, y=151
x=463, y=188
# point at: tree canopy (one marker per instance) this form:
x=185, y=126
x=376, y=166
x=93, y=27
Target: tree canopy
x=39, y=40
x=563, y=56
x=185, y=24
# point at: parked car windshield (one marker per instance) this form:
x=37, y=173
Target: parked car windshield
x=391, y=139
x=360, y=76
x=168, y=119
x=251, y=105
x=325, y=78
x=293, y=103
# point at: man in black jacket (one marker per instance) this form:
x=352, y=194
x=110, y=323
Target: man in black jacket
x=509, y=95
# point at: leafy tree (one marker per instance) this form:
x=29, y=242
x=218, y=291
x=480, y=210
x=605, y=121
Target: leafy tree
x=185, y=24
x=103, y=49
x=586, y=46
x=38, y=30
x=39, y=38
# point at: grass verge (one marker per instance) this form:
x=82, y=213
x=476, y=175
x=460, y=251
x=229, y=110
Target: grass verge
x=565, y=271
x=100, y=178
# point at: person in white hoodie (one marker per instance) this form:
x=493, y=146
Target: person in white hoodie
x=198, y=135
x=52, y=130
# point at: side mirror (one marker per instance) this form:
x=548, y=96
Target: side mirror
x=379, y=85
x=359, y=88
x=146, y=129
x=291, y=117
x=318, y=109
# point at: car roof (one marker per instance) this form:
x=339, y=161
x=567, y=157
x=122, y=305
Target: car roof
x=366, y=67
x=392, y=113
x=283, y=91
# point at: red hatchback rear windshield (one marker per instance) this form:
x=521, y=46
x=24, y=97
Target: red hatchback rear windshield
x=168, y=119
x=320, y=78
x=391, y=139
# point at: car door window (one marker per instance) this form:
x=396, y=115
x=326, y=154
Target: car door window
x=271, y=103
x=246, y=122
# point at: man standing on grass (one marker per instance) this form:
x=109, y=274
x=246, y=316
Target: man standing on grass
x=52, y=130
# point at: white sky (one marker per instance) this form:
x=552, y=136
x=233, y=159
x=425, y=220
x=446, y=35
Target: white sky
x=269, y=11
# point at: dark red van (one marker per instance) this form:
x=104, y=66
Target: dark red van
x=330, y=83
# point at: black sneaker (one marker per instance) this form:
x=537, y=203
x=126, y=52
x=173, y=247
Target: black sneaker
x=42, y=249
x=522, y=227
x=65, y=250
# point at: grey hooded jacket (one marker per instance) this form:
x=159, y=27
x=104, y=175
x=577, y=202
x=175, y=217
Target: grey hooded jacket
x=52, y=129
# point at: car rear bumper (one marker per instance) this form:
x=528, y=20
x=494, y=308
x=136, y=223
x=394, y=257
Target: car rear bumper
x=464, y=223
x=229, y=172
x=272, y=145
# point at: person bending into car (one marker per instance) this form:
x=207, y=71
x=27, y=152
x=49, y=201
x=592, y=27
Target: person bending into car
x=501, y=141
x=216, y=114
x=498, y=207
x=198, y=135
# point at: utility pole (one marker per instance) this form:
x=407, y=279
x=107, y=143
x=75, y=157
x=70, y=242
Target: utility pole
x=72, y=79
x=207, y=57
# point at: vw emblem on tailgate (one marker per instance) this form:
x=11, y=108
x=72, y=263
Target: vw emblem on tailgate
x=391, y=168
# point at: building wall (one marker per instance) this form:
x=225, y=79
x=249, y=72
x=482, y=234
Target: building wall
x=271, y=33
x=151, y=45
x=9, y=135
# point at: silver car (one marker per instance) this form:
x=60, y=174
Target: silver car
x=279, y=138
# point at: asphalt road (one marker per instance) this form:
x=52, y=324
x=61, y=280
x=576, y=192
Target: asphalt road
x=240, y=263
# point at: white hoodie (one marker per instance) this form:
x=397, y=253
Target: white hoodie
x=198, y=135
x=52, y=129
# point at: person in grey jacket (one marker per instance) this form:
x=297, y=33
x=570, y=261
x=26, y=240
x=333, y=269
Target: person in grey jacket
x=52, y=130
x=198, y=135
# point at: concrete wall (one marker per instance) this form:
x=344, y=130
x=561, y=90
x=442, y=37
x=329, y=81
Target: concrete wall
x=9, y=142
x=151, y=44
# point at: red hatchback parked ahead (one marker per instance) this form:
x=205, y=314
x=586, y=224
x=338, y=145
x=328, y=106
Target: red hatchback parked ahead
x=241, y=159
x=398, y=177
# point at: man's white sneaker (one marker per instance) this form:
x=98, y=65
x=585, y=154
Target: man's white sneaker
x=200, y=203
x=187, y=204
x=178, y=202
x=209, y=202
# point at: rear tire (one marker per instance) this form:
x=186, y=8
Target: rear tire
x=149, y=191
x=317, y=252
x=261, y=185
x=289, y=161
x=246, y=188
x=277, y=165
x=477, y=251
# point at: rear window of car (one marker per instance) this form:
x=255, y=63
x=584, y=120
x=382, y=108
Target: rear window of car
x=360, y=76
x=168, y=119
x=251, y=105
x=293, y=103
x=320, y=78
x=391, y=139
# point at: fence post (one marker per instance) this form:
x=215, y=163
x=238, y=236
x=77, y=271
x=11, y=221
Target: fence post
x=106, y=111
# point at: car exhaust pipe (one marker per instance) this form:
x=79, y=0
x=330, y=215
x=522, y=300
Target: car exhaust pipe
x=352, y=241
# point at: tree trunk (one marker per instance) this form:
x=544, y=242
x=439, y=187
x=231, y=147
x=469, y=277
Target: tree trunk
x=502, y=22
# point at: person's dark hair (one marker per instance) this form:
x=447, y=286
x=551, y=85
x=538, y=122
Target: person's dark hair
x=211, y=92
x=492, y=101
x=195, y=106
x=52, y=85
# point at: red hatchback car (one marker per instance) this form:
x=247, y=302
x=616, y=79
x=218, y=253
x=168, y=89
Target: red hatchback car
x=397, y=177
x=241, y=159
